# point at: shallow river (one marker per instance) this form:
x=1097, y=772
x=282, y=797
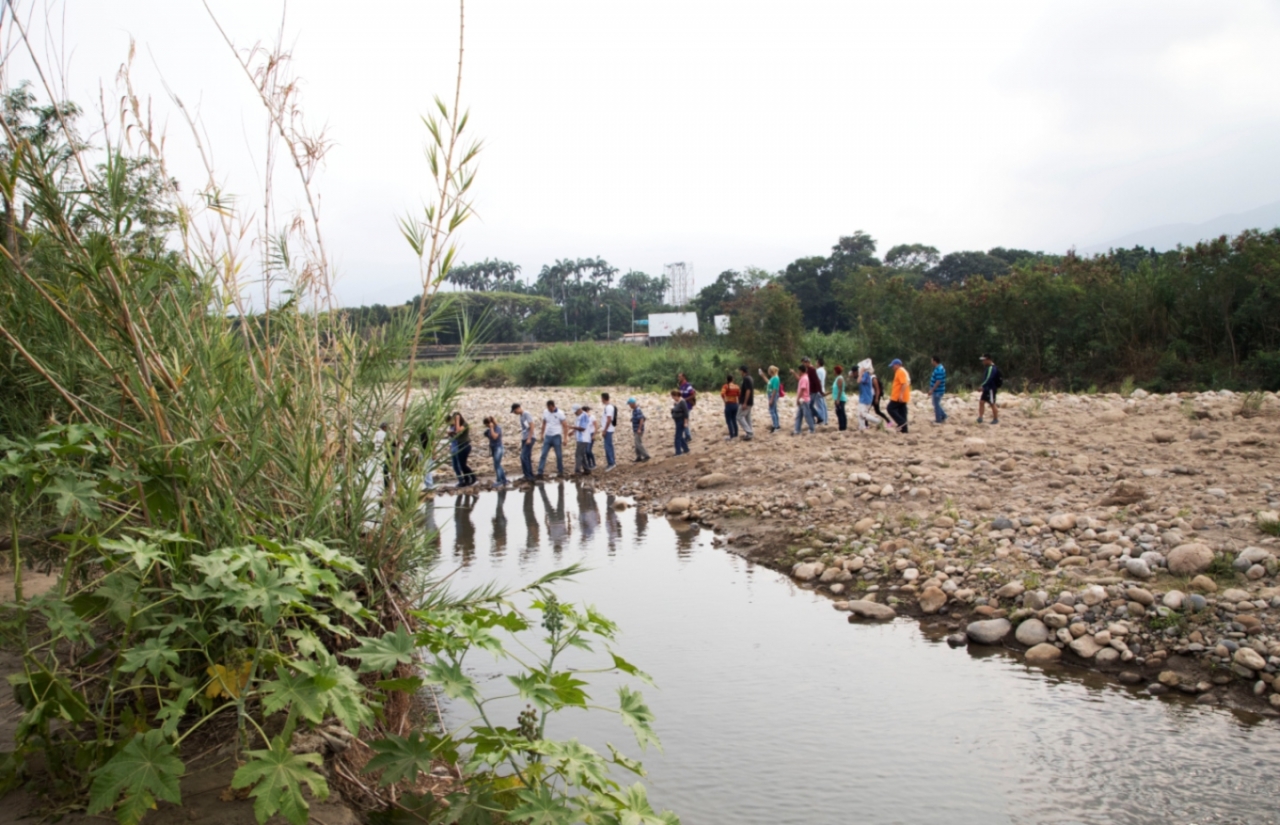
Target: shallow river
x=772, y=709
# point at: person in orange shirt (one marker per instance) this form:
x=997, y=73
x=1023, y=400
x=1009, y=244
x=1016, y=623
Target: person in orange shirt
x=900, y=395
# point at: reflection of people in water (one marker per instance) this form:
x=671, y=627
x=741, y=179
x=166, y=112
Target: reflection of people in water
x=557, y=524
x=464, y=528
x=430, y=525
x=588, y=514
x=642, y=524
x=612, y=527
x=532, y=527
x=500, y=526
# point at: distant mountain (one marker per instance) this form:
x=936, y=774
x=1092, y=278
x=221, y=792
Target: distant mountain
x=1170, y=235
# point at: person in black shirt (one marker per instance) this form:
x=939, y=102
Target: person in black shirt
x=746, y=397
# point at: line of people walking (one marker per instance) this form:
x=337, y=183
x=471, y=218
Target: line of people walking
x=737, y=394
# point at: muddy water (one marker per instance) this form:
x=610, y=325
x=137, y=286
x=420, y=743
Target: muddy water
x=772, y=709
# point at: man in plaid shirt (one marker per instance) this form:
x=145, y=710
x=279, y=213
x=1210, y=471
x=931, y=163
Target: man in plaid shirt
x=937, y=389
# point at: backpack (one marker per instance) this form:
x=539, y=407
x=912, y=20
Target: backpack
x=693, y=397
x=997, y=380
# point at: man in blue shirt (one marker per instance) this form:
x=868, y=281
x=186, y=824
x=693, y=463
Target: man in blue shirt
x=991, y=383
x=937, y=389
x=637, y=429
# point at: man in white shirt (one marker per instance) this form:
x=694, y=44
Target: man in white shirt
x=586, y=430
x=820, y=397
x=552, y=439
x=608, y=426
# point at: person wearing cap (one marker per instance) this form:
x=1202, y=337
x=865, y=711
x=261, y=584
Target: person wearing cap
x=937, y=389
x=637, y=429
x=899, y=395
x=992, y=380
x=680, y=415
x=585, y=427
x=552, y=439
x=526, y=442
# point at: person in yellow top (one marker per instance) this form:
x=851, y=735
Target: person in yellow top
x=900, y=395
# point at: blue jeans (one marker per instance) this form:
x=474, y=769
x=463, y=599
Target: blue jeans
x=549, y=443
x=608, y=449
x=731, y=418
x=773, y=413
x=804, y=412
x=526, y=459
x=500, y=475
x=939, y=415
x=820, y=408
x=682, y=437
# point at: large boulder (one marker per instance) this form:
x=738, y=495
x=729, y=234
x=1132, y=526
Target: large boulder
x=871, y=610
x=807, y=572
x=1031, y=633
x=988, y=632
x=932, y=600
x=713, y=480
x=1062, y=522
x=1043, y=654
x=1190, y=559
x=1085, y=647
x=679, y=504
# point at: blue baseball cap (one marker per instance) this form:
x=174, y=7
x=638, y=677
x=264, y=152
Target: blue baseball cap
x=895, y=363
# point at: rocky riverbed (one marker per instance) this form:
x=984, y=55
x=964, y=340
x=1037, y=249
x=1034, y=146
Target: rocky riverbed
x=1133, y=535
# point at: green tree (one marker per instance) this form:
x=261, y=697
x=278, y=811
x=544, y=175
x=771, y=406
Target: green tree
x=767, y=326
x=914, y=256
x=487, y=276
x=959, y=267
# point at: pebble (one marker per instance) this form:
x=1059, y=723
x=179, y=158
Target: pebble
x=1031, y=633
x=988, y=632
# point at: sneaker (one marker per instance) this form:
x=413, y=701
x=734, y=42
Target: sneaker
x=995, y=421
x=980, y=421
x=611, y=468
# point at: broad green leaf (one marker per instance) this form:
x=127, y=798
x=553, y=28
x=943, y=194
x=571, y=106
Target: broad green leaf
x=341, y=691
x=634, y=808
x=172, y=711
x=382, y=655
x=145, y=769
x=569, y=689
x=143, y=554
x=637, y=716
x=456, y=684
x=296, y=690
x=277, y=776
x=581, y=766
x=75, y=494
x=153, y=654
x=630, y=669
x=62, y=620
x=539, y=806
x=403, y=758
x=533, y=689
x=622, y=760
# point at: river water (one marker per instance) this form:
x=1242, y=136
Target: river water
x=773, y=709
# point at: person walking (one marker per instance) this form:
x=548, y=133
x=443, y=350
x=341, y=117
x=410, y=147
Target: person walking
x=878, y=390
x=729, y=394
x=899, y=395
x=585, y=428
x=460, y=437
x=680, y=415
x=992, y=381
x=937, y=389
x=552, y=439
x=804, y=400
x=690, y=397
x=773, y=389
x=819, y=415
x=866, y=395
x=637, y=429
x=609, y=423
x=493, y=433
x=820, y=411
x=526, y=442
x=746, y=400
x=839, y=397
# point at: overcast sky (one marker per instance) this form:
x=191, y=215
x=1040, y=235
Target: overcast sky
x=731, y=134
